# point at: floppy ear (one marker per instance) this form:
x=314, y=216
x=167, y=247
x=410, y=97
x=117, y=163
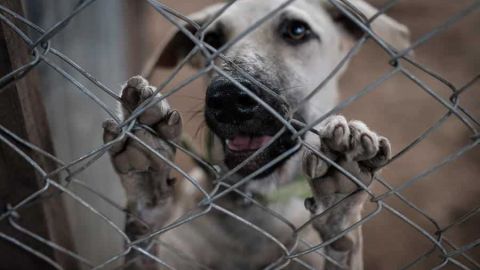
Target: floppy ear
x=394, y=33
x=177, y=45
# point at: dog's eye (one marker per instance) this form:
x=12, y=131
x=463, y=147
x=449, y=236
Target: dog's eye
x=296, y=31
x=214, y=39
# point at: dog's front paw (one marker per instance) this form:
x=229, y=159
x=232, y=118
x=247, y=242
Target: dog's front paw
x=359, y=151
x=140, y=160
x=160, y=117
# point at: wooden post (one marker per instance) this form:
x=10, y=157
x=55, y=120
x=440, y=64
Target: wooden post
x=22, y=112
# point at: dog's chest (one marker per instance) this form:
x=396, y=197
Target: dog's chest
x=244, y=238
x=249, y=237
x=238, y=237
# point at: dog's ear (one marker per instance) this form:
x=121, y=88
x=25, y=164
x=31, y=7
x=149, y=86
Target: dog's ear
x=177, y=45
x=391, y=31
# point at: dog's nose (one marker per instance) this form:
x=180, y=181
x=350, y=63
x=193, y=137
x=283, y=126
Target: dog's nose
x=230, y=103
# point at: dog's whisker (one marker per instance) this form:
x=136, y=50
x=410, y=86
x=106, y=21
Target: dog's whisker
x=200, y=128
x=196, y=113
x=191, y=111
x=191, y=97
x=293, y=87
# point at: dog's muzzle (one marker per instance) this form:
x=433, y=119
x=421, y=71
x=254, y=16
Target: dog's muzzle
x=244, y=125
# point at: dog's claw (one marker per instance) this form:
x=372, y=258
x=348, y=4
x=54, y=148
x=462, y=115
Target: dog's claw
x=135, y=93
x=381, y=157
x=313, y=166
x=171, y=128
x=336, y=133
x=110, y=133
x=364, y=142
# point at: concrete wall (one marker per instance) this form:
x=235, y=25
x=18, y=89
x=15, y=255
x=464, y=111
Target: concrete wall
x=96, y=40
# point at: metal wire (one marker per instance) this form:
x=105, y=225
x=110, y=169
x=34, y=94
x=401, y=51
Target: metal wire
x=43, y=51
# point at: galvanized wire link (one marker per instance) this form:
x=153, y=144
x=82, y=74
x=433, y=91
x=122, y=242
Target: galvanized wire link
x=66, y=183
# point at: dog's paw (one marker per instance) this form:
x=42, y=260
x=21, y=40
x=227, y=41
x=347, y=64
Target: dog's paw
x=354, y=147
x=155, y=113
x=138, y=160
x=360, y=152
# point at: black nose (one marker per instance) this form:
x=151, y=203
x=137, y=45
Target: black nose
x=229, y=103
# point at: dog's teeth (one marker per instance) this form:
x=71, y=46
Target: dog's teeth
x=228, y=143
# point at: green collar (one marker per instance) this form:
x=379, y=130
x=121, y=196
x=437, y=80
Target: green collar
x=297, y=188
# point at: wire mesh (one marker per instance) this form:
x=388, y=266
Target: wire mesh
x=141, y=248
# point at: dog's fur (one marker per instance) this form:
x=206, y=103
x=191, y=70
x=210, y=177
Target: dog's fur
x=217, y=240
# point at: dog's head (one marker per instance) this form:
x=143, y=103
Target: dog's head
x=289, y=53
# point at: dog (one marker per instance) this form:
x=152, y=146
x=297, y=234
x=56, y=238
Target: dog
x=254, y=83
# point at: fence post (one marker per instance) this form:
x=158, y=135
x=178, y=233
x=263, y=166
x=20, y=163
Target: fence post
x=22, y=112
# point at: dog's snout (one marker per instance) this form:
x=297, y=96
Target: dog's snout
x=230, y=103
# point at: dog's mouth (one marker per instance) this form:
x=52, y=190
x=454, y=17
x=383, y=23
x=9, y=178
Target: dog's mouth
x=246, y=128
x=242, y=143
x=258, y=148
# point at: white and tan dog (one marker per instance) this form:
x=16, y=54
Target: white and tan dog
x=280, y=62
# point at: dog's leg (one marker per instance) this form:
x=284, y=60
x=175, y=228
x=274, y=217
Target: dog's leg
x=143, y=174
x=359, y=151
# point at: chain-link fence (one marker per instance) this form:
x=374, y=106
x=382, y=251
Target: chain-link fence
x=55, y=177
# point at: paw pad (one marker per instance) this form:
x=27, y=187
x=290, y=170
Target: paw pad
x=310, y=205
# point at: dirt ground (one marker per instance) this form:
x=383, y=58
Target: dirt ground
x=400, y=110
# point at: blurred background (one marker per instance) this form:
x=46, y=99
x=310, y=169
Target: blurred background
x=112, y=40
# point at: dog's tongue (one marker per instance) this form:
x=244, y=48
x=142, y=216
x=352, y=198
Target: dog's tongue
x=244, y=143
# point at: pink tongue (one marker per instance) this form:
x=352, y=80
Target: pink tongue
x=244, y=143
